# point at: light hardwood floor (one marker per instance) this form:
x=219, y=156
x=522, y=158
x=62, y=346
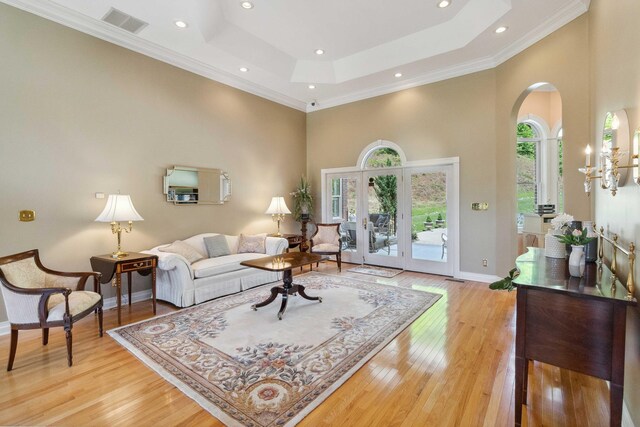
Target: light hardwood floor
x=454, y=366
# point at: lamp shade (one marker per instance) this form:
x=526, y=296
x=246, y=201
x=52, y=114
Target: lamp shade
x=119, y=208
x=278, y=206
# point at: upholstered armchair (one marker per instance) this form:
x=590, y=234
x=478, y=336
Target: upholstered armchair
x=39, y=298
x=326, y=241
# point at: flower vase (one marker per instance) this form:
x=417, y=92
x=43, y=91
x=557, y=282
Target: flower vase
x=576, y=261
x=554, y=248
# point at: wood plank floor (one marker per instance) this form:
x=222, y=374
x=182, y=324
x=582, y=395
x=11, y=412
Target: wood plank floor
x=454, y=366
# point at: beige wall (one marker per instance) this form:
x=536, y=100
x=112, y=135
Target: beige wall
x=547, y=105
x=79, y=116
x=615, y=65
x=445, y=119
x=561, y=59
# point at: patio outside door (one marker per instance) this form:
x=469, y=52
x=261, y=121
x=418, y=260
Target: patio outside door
x=432, y=217
x=382, y=191
x=367, y=205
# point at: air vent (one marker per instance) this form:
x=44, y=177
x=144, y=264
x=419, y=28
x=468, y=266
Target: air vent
x=124, y=21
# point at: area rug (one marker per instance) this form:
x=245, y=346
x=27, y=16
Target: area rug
x=247, y=368
x=375, y=271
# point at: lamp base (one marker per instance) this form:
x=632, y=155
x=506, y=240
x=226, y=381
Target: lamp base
x=119, y=254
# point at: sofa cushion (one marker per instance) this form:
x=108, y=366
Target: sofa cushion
x=181, y=248
x=252, y=244
x=220, y=265
x=217, y=246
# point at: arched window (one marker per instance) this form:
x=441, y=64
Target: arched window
x=383, y=157
x=527, y=167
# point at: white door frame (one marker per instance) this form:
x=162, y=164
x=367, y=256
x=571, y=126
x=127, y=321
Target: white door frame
x=455, y=200
x=444, y=268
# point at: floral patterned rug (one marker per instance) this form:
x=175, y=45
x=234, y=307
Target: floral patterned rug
x=247, y=368
x=375, y=271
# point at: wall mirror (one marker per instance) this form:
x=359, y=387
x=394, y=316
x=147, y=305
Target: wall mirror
x=185, y=185
x=615, y=146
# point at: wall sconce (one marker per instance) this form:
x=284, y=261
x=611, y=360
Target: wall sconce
x=615, y=141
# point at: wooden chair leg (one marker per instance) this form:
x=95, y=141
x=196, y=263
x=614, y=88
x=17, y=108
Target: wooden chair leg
x=69, y=345
x=100, y=320
x=12, y=349
x=45, y=336
x=339, y=259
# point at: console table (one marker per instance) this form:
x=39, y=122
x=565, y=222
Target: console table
x=144, y=264
x=570, y=322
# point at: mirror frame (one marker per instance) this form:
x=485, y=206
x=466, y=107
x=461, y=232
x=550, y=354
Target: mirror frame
x=220, y=180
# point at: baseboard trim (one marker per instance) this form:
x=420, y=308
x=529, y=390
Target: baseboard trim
x=627, y=421
x=135, y=297
x=477, y=277
x=5, y=327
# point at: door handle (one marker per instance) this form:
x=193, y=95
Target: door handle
x=364, y=222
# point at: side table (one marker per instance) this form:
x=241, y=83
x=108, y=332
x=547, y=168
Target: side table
x=144, y=264
x=294, y=240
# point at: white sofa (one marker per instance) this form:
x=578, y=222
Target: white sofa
x=184, y=284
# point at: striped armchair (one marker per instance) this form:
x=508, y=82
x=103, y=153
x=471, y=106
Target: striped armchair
x=39, y=298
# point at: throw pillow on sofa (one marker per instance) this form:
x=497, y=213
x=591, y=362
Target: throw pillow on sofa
x=252, y=244
x=217, y=246
x=186, y=250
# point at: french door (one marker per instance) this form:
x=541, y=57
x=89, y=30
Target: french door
x=402, y=217
x=366, y=204
x=432, y=216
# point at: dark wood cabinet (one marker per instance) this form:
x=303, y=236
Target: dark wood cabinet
x=570, y=322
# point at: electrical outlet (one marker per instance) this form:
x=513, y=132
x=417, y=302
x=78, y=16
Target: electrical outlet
x=484, y=263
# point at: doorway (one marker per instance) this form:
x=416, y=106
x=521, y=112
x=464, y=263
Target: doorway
x=395, y=213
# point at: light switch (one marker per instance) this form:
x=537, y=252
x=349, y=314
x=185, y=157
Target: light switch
x=26, y=216
x=99, y=195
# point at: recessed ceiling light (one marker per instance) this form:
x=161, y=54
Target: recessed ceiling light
x=319, y=52
x=246, y=5
x=181, y=24
x=501, y=29
x=443, y=4
x=312, y=86
x=398, y=74
x=244, y=69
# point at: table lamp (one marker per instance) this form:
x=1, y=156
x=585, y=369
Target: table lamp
x=119, y=208
x=277, y=209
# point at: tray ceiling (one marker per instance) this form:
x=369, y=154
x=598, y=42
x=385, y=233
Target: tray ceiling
x=366, y=43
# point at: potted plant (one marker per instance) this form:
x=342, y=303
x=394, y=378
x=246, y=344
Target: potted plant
x=439, y=221
x=428, y=223
x=302, y=201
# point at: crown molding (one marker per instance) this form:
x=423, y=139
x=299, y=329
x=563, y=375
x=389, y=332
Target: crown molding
x=117, y=36
x=433, y=77
x=103, y=31
x=557, y=21
x=560, y=19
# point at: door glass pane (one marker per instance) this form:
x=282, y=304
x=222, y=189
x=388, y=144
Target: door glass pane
x=343, y=208
x=429, y=216
x=382, y=203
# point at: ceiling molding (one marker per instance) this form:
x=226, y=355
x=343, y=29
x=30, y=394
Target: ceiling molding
x=563, y=17
x=555, y=22
x=67, y=17
x=433, y=77
x=103, y=31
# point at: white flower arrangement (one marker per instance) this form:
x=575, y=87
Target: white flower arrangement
x=561, y=221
